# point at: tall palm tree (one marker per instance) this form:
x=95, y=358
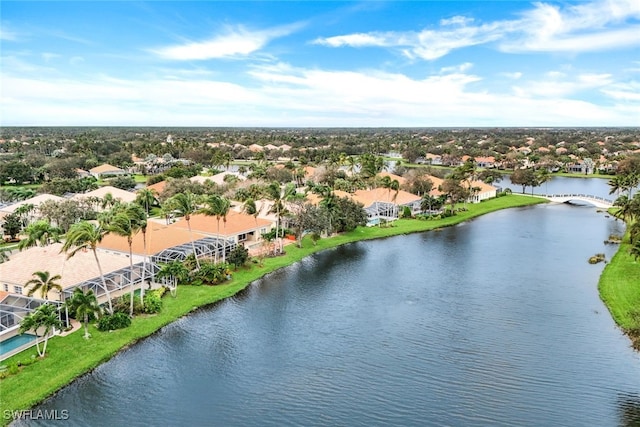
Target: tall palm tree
x=85, y=306
x=186, y=204
x=82, y=236
x=23, y=212
x=127, y=222
x=44, y=319
x=279, y=196
x=250, y=208
x=330, y=203
x=43, y=282
x=217, y=206
x=40, y=233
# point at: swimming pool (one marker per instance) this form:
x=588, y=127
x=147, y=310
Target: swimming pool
x=14, y=342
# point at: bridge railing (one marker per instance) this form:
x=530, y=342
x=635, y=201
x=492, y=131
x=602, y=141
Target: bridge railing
x=582, y=196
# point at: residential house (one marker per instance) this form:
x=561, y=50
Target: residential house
x=239, y=227
x=585, y=167
x=106, y=170
x=486, y=162
x=73, y=271
x=103, y=192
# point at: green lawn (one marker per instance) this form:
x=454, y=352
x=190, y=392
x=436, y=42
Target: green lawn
x=619, y=288
x=71, y=356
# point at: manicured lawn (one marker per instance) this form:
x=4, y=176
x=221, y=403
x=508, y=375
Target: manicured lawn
x=620, y=290
x=71, y=356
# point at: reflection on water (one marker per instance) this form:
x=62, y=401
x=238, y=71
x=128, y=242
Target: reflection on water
x=629, y=408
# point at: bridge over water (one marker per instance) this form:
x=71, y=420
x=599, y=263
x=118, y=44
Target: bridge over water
x=599, y=202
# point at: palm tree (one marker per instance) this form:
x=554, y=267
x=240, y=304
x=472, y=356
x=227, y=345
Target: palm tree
x=330, y=204
x=82, y=236
x=127, y=222
x=430, y=203
x=390, y=184
x=85, y=306
x=43, y=282
x=279, y=196
x=23, y=212
x=108, y=201
x=146, y=198
x=217, y=206
x=250, y=208
x=40, y=233
x=175, y=272
x=44, y=318
x=186, y=205
x=625, y=208
x=635, y=250
x=4, y=255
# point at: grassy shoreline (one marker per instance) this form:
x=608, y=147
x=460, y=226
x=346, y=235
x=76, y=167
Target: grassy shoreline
x=619, y=288
x=71, y=356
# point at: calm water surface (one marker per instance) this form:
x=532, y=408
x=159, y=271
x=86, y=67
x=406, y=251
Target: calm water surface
x=493, y=322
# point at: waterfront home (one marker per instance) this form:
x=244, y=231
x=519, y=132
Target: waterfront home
x=80, y=268
x=239, y=227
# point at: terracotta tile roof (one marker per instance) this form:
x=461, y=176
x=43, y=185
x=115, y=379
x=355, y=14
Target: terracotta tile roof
x=237, y=223
x=158, y=186
x=315, y=199
x=123, y=195
x=368, y=197
x=400, y=179
x=21, y=265
x=159, y=237
x=483, y=186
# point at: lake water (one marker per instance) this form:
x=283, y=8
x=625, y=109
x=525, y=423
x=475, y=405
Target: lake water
x=565, y=185
x=496, y=321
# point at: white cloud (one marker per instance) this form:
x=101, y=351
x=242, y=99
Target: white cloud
x=594, y=26
x=624, y=92
x=7, y=34
x=456, y=20
x=76, y=60
x=358, y=40
x=558, y=85
x=513, y=76
x=235, y=42
x=48, y=56
x=283, y=95
x=458, y=68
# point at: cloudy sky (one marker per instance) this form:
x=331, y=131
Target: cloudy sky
x=320, y=64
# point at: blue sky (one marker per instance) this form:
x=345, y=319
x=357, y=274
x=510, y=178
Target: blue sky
x=320, y=64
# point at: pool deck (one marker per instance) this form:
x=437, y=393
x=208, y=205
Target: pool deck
x=75, y=325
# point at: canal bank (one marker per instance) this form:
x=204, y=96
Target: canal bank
x=70, y=357
x=619, y=288
x=494, y=321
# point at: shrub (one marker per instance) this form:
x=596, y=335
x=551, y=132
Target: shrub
x=113, y=322
x=406, y=212
x=123, y=305
x=152, y=303
x=238, y=256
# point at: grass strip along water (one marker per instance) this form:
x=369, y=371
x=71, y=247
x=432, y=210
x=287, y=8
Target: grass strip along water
x=619, y=288
x=71, y=356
